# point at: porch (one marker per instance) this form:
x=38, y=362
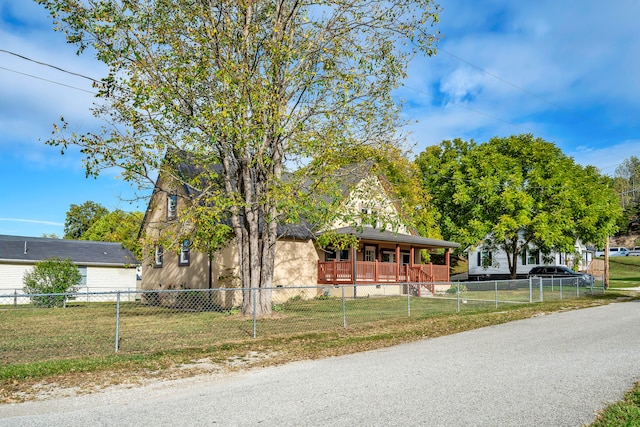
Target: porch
x=342, y=272
x=384, y=257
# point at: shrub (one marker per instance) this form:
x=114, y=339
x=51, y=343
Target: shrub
x=454, y=289
x=52, y=276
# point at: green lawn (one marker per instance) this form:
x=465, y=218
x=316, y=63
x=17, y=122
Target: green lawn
x=624, y=272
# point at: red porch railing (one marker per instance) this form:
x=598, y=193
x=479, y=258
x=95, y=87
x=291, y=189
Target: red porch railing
x=337, y=272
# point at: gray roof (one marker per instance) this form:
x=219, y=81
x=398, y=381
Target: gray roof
x=20, y=249
x=370, y=233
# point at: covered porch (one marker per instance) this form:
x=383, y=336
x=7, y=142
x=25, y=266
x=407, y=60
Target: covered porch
x=384, y=257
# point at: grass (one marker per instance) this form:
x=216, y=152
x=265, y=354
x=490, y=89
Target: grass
x=51, y=352
x=73, y=348
x=623, y=413
x=624, y=272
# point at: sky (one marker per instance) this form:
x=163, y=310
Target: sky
x=565, y=71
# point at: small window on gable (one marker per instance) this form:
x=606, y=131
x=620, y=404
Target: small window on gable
x=172, y=206
x=185, y=255
x=159, y=255
x=369, y=217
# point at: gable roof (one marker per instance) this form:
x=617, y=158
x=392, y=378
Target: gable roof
x=28, y=250
x=347, y=177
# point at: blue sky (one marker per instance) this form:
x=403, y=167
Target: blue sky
x=566, y=71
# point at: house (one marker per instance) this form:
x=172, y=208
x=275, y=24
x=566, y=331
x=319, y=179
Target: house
x=388, y=254
x=487, y=264
x=104, y=266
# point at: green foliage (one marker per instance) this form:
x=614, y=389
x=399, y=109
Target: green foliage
x=80, y=218
x=251, y=87
x=117, y=226
x=52, y=276
x=516, y=192
x=453, y=289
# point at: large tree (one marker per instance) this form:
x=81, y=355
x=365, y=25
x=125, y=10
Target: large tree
x=118, y=226
x=510, y=193
x=81, y=217
x=627, y=185
x=249, y=85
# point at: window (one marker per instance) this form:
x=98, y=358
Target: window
x=172, y=206
x=369, y=217
x=83, y=274
x=530, y=256
x=185, y=257
x=485, y=259
x=369, y=253
x=338, y=255
x=158, y=257
x=388, y=256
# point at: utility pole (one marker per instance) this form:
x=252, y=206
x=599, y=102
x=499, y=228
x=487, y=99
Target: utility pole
x=606, y=264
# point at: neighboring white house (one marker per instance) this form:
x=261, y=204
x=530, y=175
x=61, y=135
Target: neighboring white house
x=104, y=266
x=493, y=264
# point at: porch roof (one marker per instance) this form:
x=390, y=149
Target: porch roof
x=370, y=233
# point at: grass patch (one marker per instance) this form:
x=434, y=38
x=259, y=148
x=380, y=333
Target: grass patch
x=624, y=272
x=623, y=413
x=301, y=330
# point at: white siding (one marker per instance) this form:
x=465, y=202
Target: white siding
x=11, y=276
x=105, y=279
x=99, y=279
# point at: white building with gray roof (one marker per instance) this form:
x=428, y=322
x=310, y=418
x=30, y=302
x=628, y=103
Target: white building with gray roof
x=104, y=266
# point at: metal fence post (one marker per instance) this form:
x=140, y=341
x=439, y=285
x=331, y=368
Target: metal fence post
x=530, y=289
x=496, y=285
x=541, y=296
x=458, y=294
x=15, y=297
x=344, y=309
x=255, y=311
x=408, y=299
x=560, y=289
x=117, y=321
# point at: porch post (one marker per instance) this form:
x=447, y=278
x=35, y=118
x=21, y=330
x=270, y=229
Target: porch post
x=397, y=263
x=447, y=257
x=355, y=265
x=412, y=256
x=354, y=272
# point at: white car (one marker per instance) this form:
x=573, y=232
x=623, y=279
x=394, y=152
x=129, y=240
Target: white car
x=635, y=251
x=616, y=251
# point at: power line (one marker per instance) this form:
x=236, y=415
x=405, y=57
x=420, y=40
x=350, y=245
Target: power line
x=47, y=80
x=51, y=66
x=495, y=76
x=491, y=116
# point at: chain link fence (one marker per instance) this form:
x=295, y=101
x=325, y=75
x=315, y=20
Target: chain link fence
x=39, y=327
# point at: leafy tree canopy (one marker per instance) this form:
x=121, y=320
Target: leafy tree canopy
x=251, y=86
x=627, y=185
x=515, y=191
x=81, y=217
x=117, y=226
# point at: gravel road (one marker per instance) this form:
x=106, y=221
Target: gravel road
x=552, y=370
